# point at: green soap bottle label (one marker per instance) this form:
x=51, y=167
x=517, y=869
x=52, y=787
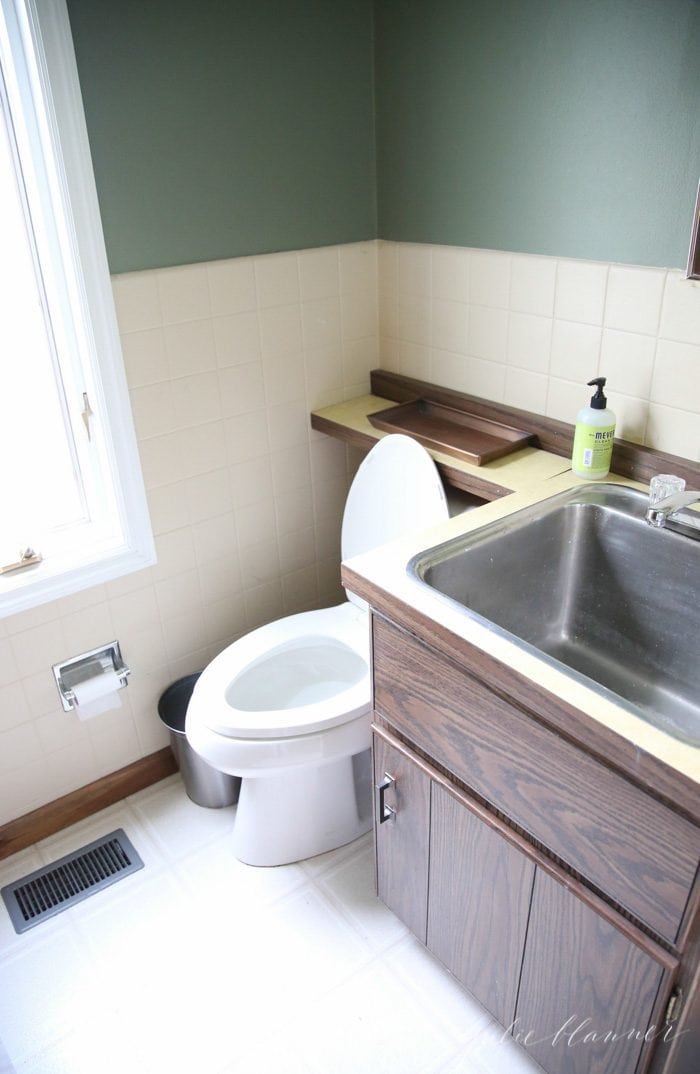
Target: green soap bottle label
x=593, y=446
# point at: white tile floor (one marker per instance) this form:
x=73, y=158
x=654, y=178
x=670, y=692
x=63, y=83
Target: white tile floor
x=198, y=964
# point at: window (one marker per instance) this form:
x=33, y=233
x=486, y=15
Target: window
x=69, y=473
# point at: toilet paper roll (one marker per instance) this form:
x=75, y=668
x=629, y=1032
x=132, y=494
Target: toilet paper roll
x=97, y=695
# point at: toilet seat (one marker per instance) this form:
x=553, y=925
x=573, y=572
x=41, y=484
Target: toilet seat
x=252, y=689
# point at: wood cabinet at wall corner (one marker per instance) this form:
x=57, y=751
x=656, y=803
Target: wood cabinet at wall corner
x=623, y=841
x=551, y=885
x=544, y=962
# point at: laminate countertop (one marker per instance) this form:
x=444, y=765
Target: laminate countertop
x=532, y=475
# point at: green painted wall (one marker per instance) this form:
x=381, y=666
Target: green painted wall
x=231, y=127
x=227, y=127
x=567, y=127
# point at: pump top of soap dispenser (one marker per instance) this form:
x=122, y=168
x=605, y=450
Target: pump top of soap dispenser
x=598, y=401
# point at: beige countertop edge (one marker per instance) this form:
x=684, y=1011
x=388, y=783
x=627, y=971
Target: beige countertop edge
x=517, y=471
x=386, y=569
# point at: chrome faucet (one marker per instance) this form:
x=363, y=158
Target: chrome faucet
x=668, y=512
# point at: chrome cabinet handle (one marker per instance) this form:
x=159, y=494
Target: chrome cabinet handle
x=384, y=811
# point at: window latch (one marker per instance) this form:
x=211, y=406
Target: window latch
x=86, y=414
x=27, y=558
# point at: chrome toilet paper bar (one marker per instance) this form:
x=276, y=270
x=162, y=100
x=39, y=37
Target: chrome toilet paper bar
x=70, y=673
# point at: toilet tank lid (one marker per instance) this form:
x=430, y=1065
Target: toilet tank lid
x=396, y=491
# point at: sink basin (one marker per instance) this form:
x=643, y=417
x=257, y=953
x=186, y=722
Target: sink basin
x=582, y=581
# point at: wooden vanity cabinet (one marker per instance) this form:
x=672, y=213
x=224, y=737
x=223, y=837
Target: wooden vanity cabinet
x=487, y=853
x=575, y=984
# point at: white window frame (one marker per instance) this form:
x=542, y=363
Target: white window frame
x=40, y=31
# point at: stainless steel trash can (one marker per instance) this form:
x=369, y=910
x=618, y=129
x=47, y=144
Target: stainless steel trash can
x=204, y=785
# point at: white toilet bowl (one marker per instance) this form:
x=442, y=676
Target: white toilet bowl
x=287, y=707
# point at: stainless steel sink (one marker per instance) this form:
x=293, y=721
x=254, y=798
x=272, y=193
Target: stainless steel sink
x=582, y=580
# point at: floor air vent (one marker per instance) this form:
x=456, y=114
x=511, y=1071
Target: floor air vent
x=69, y=880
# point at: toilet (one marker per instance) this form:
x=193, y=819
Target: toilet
x=288, y=706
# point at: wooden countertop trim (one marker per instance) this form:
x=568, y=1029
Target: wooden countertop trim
x=629, y=460
x=451, y=475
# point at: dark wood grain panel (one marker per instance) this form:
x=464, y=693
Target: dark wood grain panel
x=623, y=841
x=480, y=888
x=484, y=487
x=49, y=819
x=647, y=771
x=579, y=971
x=402, y=844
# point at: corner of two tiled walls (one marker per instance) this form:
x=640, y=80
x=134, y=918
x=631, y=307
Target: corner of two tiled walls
x=224, y=362
x=530, y=331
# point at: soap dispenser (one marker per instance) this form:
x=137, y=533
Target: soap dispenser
x=593, y=439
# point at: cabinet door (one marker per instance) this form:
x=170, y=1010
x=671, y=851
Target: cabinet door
x=480, y=890
x=588, y=991
x=402, y=841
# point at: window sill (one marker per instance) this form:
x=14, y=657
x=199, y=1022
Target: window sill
x=52, y=579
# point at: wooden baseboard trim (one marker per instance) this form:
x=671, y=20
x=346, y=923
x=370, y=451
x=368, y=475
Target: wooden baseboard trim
x=53, y=817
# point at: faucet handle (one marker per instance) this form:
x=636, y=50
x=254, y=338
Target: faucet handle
x=663, y=485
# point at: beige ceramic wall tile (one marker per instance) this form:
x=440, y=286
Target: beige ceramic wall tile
x=196, y=399
x=526, y=390
x=167, y=506
x=449, y=325
x=580, y=291
x=414, y=270
x=676, y=380
x=451, y=273
x=529, y=341
x=359, y=312
x=280, y=330
x=487, y=379
x=208, y=495
x=673, y=430
x=237, y=338
x=633, y=301
x=136, y=301
x=277, y=279
x=532, y=284
x=14, y=707
x=190, y=348
x=680, y=311
x=487, y=333
x=145, y=359
x=414, y=360
x=575, y=352
x=319, y=274
x=414, y=319
x=631, y=416
x=184, y=293
x=321, y=323
x=231, y=286
x=489, y=282
x=564, y=399
x=627, y=360
x=448, y=369
x=242, y=389
x=358, y=268
x=152, y=410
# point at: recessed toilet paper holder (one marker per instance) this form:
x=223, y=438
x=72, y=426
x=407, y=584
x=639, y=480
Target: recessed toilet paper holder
x=98, y=661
